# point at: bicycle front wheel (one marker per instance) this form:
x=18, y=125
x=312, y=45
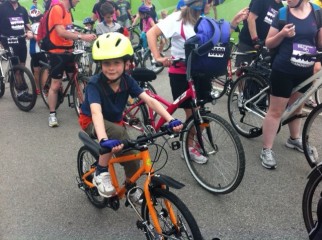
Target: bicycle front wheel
x=22, y=87
x=311, y=196
x=318, y=95
x=134, y=37
x=247, y=104
x=85, y=161
x=78, y=92
x=225, y=167
x=311, y=137
x=174, y=217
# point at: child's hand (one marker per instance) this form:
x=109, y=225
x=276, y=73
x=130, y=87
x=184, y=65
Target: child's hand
x=112, y=144
x=175, y=125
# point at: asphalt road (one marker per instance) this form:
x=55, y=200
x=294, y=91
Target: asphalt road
x=39, y=197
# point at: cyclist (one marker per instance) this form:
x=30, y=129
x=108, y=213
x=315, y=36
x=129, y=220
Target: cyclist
x=35, y=53
x=147, y=23
x=105, y=99
x=14, y=21
x=89, y=24
x=61, y=57
x=96, y=10
x=153, y=14
x=179, y=26
x=296, y=37
x=255, y=28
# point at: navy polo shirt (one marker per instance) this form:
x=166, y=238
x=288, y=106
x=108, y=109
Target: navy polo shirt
x=113, y=103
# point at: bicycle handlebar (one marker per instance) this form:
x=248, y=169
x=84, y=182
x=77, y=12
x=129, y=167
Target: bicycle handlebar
x=141, y=140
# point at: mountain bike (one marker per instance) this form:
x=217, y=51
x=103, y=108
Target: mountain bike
x=218, y=141
x=21, y=80
x=75, y=89
x=163, y=215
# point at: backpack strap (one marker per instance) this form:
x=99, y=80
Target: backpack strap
x=64, y=14
x=282, y=17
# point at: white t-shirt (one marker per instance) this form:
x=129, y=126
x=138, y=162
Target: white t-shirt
x=171, y=28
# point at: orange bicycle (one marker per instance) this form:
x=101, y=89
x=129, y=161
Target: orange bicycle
x=163, y=215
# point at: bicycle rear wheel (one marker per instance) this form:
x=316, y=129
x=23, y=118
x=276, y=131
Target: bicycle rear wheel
x=311, y=137
x=225, y=168
x=164, y=201
x=85, y=161
x=311, y=196
x=78, y=92
x=247, y=104
x=22, y=87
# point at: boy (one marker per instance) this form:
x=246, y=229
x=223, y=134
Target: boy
x=108, y=24
x=105, y=99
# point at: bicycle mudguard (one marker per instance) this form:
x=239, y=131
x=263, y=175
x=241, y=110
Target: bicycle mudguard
x=159, y=179
x=89, y=142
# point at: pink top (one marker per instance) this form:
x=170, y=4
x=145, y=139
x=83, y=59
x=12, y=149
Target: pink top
x=147, y=24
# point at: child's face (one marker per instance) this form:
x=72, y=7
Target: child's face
x=108, y=18
x=89, y=26
x=113, y=68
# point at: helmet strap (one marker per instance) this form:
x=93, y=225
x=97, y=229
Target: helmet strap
x=298, y=4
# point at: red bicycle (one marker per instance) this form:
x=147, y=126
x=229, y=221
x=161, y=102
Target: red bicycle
x=210, y=133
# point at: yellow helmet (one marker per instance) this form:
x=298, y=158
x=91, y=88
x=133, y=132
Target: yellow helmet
x=112, y=45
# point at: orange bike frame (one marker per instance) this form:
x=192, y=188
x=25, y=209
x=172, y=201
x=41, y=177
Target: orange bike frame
x=146, y=168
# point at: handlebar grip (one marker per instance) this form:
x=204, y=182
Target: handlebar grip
x=104, y=150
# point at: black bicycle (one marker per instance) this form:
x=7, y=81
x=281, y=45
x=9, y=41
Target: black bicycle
x=21, y=80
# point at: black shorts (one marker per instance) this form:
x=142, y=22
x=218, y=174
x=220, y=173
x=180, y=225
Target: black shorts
x=19, y=50
x=179, y=85
x=282, y=83
x=36, y=57
x=61, y=62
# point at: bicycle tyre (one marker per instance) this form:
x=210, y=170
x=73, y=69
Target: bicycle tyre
x=148, y=62
x=311, y=137
x=28, y=85
x=86, y=156
x=2, y=87
x=44, y=86
x=311, y=196
x=318, y=95
x=244, y=120
x=225, y=167
x=79, y=93
x=134, y=37
x=187, y=224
